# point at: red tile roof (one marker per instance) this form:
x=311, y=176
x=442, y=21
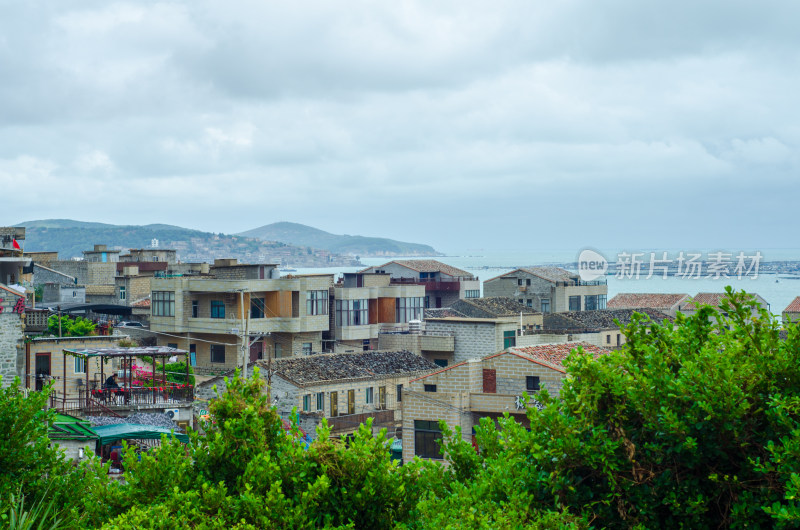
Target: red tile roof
x=651, y=300
x=794, y=307
x=426, y=265
x=555, y=354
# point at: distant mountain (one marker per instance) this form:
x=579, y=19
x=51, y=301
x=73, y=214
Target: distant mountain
x=298, y=234
x=70, y=238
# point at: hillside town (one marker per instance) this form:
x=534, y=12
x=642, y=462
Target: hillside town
x=405, y=344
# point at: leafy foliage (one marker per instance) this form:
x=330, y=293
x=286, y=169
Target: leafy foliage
x=70, y=327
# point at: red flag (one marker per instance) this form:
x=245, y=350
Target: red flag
x=15, y=244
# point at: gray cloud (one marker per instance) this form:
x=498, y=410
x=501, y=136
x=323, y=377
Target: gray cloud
x=460, y=124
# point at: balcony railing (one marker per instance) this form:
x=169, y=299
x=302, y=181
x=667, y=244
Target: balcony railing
x=441, y=284
x=93, y=402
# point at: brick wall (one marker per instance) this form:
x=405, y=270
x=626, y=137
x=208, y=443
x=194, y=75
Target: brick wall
x=472, y=339
x=42, y=275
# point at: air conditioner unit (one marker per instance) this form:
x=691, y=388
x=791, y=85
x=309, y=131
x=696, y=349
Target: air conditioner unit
x=174, y=414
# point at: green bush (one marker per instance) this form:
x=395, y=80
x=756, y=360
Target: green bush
x=70, y=327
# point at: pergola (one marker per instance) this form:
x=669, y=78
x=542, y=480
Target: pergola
x=126, y=354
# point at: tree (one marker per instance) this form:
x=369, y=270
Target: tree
x=70, y=327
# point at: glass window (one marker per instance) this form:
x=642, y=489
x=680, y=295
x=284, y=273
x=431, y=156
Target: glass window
x=80, y=365
x=440, y=362
x=351, y=401
x=217, y=309
x=307, y=403
x=509, y=339
x=352, y=313
x=316, y=302
x=472, y=293
x=369, y=397
x=334, y=403
x=590, y=302
x=574, y=303
x=532, y=383
x=601, y=301
x=408, y=309
x=430, y=388
x=399, y=393
x=528, y=281
x=217, y=353
x=278, y=350
x=320, y=400
x=545, y=305
x=382, y=397
x=257, y=307
x=195, y=308
x=307, y=348
x=163, y=303
x=426, y=437
x=122, y=293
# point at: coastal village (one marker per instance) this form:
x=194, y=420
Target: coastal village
x=406, y=344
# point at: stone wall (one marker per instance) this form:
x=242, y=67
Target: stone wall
x=11, y=344
x=472, y=339
x=43, y=275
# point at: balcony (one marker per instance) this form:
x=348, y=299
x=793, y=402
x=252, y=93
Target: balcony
x=441, y=284
x=108, y=401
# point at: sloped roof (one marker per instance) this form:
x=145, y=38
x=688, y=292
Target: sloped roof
x=425, y=265
x=551, y=274
x=132, y=431
x=597, y=320
x=342, y=366
x=555, y=354
x=651, y=300
x=66, y=427
x=793, y=307
x=492, y=307
x=12, y=291
x=101, y=290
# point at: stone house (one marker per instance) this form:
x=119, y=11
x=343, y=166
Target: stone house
x=792, y=311
x=667, y=303
x=488, y=387
x=12, y=334
x=444, y=284
x=549, y=289
x=344, y=388
x=690, y=307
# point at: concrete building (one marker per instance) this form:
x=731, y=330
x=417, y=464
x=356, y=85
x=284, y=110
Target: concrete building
x=663, y=302
x=101, y=254
x=15, y=268
x=488, y=387
x=548, y=289
x=365, y=303
x=443, y=283
x=136, y=255
x=469, y=329
x=59, y=293
x=344, y=388
x=213, y=316
x=12, y=334
x=792, y=311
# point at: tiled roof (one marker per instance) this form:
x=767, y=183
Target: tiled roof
x=651, y=300
x=597, y=320
x=555, y=354
x=443, y=312
x=551, y=274
x=340, y=366
x=492, y=307
x=12, y=291
x=794, y=307
x=426, y=265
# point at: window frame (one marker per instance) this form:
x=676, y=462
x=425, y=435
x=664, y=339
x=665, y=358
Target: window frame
x=320, y=401
x=162, y=303
x=426, y=435
x=80, y=365
x=317, y=302
x=215, y=306
x=123, y=294
x=369, y=395
x=214, y=349
x=533, y=383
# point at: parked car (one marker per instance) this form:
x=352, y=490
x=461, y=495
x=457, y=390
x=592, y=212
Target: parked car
x=129, y=324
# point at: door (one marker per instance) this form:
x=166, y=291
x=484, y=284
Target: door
x=334, y=404
x=193, y=354
x=42, y=369
x=351, y=401
x=438, y=301
x=256, y=351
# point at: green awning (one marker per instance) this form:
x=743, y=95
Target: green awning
x=66, y=427
x=132, y=431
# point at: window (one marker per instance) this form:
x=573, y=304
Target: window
x=618, y=339
x=545, y=305
x=352, y=313
x=163, y=303
x=590, y=303
x=80, y=365
x=532, y=383
x=307, y=403
x=217, y=353
x=426, y=437
x=608, y=339
x=122, y=293
x=382, y=397
x=509, y=339
x=316, y=302
x=278, y=350
x=195, y=308
x=428, y=302
x=528, y=281
x=529, y=302
x=399, y=393
x=334, y=404
x=173, y=345
x=440, y=362
x=369, y=396
x=574, y=303
x=601, y=301
x=217, y=309
x=408, y=309
x=430, y=388
x=320, y=400
x=257, y=306
x=307, y=347
x=471, y=293
x=351, y=401
x=519, y=281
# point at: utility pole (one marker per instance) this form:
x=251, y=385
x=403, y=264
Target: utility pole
x=243, y=336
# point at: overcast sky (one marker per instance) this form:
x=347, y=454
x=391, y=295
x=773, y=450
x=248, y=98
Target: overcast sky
x=459, y=124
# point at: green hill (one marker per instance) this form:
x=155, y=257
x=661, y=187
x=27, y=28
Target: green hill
x=298, y=234
x=70, y=238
